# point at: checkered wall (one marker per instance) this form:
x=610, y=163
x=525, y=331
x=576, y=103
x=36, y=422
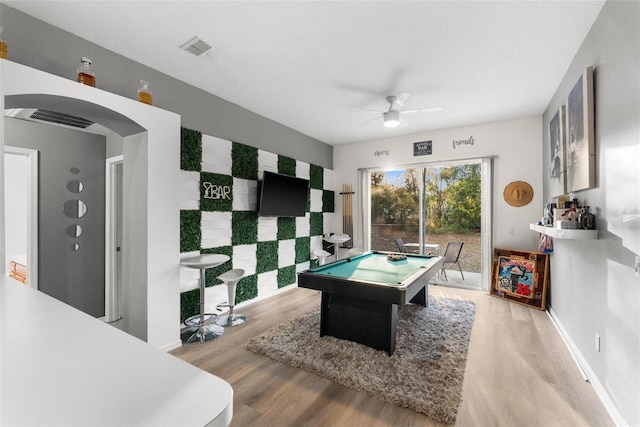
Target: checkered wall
x=218, y=214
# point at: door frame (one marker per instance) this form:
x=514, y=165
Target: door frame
x=32, y=210
x=112, y=308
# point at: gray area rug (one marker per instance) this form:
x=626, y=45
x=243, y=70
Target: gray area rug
x=424, y=374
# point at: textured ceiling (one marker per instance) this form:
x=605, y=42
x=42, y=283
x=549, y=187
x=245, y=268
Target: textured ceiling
x=310, y=64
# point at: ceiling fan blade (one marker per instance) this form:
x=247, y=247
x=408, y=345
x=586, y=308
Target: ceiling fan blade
x=370, y=120
x=423, y=110
x=366, y=109
x=402, y=99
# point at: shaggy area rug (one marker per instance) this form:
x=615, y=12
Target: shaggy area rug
x=424, y=374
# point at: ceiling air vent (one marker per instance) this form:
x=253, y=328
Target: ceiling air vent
x=196, y=46
x=61, y=118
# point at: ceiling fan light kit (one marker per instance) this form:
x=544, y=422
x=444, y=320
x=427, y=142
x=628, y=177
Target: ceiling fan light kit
x=391, y=118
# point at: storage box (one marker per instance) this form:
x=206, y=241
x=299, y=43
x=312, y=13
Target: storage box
x=566, y=225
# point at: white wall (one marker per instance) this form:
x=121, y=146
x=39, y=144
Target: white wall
x=154, y=191
x=593, y=287
x=517, y=145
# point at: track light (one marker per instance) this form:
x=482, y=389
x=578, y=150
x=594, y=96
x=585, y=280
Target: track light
x=391, y=119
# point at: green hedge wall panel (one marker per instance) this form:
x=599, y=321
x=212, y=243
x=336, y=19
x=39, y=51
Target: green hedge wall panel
x=316, y=177
x=328, y=201
x=286, y=165
x=286, y=228
x=190, y=232
x=244, y=227
x=267, y=256
x=213, y=273
x=247, y=288
x=287, y=276
x=303, y=249
x=316, y=223
x=189, y=304
x=244, y=161
x=221, y=187
x=190, y=150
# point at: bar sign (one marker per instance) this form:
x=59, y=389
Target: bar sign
x=422, y=148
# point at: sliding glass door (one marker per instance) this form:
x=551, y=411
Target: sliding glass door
x=423, y=208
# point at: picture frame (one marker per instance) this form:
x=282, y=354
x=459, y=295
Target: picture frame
x=517, y=276
x=580, y=145
x=557, y=165
x=528, y=284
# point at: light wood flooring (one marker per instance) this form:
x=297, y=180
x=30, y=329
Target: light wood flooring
x=518, y=373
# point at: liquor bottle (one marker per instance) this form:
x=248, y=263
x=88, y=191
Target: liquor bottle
x=144, y=94
x=86, y=75
x=3, y=46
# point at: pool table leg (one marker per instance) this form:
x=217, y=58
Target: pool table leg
x=366, y=322
x=421, y=297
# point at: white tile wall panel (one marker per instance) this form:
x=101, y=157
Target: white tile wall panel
x=267, y=228
x=315, y=204
x=303, y=225
x=216, y=155
x=267, y=283
x=328, y=179
x=216, y=229
x=245, y=194
x=213, y=296
x=302, y=266
x=189, y=279
x=315, y=244
x=302, y=169
x=189, y=190
x=286, y=253
x=267, y=162
x=244, y=257
x=329, y=223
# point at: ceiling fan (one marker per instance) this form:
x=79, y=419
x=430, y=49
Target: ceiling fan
x=391, y=117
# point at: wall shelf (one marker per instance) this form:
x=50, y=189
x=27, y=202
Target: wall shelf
x=565, y=234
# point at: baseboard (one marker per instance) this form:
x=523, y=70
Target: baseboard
x=587, y=372
x=170, y=346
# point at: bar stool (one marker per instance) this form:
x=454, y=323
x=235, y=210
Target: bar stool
x=322, y=255
x=231, y=279
x=201, y=327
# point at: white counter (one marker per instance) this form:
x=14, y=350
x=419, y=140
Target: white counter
x=59, y=366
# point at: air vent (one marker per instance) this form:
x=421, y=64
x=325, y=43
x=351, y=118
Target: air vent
x=196, y=46
x=61, y=118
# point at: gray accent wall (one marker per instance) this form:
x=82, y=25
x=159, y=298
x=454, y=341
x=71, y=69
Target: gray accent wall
x=75, y=277
x=42, y=46
x=593, y=288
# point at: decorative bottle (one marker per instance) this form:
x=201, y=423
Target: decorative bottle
x=86, y=75
x=586, y=220
x=144, y=94
x=3, y=46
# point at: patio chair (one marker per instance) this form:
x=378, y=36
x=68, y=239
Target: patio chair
x=400, y=244
x=452, y=256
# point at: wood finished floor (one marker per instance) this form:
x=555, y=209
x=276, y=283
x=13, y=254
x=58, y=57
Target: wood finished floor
x=518, y=373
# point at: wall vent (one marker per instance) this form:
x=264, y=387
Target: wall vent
x=61, y=118
x=196, y=46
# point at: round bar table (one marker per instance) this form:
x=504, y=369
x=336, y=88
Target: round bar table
x=337, y=239
x=202, y=327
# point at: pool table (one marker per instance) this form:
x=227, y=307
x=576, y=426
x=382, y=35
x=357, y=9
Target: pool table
x=361, y=295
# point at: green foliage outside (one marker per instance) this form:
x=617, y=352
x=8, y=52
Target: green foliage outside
x=452, y=197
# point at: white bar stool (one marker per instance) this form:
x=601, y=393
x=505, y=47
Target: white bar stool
x=231, y=279
x=322, y=255
x=201, y=327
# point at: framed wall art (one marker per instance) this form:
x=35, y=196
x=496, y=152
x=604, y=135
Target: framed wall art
x=557, y=165
x=580, y=152
x=521, y=277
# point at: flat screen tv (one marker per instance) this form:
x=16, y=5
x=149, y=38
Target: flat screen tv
x=283, y=195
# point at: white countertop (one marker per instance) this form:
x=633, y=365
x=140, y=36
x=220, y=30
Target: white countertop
x=59, y=366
